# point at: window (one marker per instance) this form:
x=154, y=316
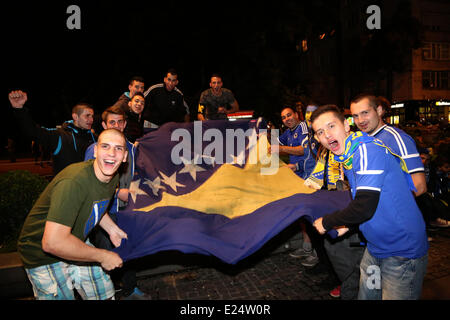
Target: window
x=436, y=51
x=435, y=79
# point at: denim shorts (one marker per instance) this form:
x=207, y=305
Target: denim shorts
x=392, y=278
x=57, y=281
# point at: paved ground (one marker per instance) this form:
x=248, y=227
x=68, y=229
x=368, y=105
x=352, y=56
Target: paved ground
x=277, y=276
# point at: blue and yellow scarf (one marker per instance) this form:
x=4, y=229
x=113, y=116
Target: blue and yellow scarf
x=352, y=142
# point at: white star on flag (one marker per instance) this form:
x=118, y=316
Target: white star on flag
x=155, y=185
x=135, y=190
x=191, y=168
x=171, y=181
x=211, y=159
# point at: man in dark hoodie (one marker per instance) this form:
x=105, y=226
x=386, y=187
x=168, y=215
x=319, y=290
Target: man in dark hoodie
x=135, y=122
x=68, y=143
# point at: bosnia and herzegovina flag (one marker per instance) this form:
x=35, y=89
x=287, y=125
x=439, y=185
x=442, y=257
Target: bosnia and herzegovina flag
x=211, y=188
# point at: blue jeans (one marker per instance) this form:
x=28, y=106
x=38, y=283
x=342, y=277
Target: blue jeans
x=392, y=278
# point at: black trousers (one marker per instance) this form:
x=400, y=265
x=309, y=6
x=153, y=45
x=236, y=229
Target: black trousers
x=125, y=275
x=345, y=259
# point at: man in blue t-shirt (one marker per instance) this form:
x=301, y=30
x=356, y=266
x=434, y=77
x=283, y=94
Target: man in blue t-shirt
x=367, y=113
x=394, y=263
x=296, y=142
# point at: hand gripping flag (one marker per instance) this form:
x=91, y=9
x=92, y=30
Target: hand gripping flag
x=211, y=188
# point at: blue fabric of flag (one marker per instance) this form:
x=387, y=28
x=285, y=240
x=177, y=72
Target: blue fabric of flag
x=215, y=201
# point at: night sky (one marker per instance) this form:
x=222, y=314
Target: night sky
x=251, y=43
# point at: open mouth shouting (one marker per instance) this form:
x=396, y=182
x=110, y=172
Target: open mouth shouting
x=334, y=146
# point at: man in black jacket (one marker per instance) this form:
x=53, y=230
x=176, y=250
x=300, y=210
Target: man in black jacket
x=165, y=102
x=68, y=143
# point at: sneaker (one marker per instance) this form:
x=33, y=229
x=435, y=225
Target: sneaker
x=336, y=292
x=311, y=260
x=137, y=295
x=440, y=223
x=300, y=253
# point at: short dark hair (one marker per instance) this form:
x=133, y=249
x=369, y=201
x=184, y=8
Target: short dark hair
x=374, y=102
x=325, y=109
x=115, y=109
x=217, y=75
x=384, y=103
x=137, y=79
x=80, y=107
x=172, y=71
x=138, y=94
x=288, y=107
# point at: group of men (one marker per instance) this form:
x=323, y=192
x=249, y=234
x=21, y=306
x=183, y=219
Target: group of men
x=60, y=241
x=381, y=164
x=166, y=103
x=383, y=168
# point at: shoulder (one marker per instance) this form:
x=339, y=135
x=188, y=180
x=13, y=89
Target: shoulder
x=228, y=94
x=369, y=154
x=398, y=140
x=154, y=88
x=89, y=154
x=178, y=91
x=303, y=127
x=74, y=174
x=205, y=93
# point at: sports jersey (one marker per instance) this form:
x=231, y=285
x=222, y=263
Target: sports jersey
x=74, y=198
x=397, y=227
x=299, y=137
x=402, y=144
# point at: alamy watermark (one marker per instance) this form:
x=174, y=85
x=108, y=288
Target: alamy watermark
x=230, y=148
x=74, y=20
x=374, y=279
x=374, y=20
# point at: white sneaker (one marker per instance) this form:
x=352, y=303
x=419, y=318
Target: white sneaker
x=300, y=253
x=440, y=223
x=311, y=260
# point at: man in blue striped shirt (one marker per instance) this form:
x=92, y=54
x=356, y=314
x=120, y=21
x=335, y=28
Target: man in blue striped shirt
x=367, y=113
x=296, y=142
x=394, y=262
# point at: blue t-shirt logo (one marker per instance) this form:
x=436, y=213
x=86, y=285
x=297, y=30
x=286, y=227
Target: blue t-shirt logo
x=98, y=209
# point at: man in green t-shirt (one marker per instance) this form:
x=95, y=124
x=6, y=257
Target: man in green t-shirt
x=52, y=244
